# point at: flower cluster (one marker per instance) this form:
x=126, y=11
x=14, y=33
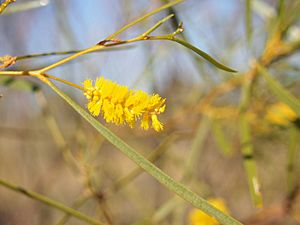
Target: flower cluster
x=197, y=217
x=119, y=105
x=6, y=61
x=281, y=114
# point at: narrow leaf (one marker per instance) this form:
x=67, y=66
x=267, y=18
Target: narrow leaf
x=204, y=55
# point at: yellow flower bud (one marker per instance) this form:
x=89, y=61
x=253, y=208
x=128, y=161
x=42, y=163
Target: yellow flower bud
x=281, y=114
x=197, y=217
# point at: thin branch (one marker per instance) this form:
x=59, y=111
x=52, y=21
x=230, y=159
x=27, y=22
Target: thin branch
x=50, y=202
x=64, y=81
x=157, y=25
x=30, y=56
x=5, y=4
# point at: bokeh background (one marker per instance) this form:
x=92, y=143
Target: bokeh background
x=46, y=147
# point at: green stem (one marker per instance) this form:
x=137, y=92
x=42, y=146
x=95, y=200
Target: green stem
x=246, y=142
x=50, y=202
x=281, y=11
x=248, y=14
x=249, y=162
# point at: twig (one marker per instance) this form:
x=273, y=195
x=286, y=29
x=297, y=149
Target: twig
x=50, y=202
x=30, y=56
x=5, y=4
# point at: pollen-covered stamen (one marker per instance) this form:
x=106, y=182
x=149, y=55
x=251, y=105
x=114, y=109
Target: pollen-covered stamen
x=120, y=105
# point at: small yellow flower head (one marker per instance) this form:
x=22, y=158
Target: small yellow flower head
x=119, y=105
x=281, y=114
x=197, y=217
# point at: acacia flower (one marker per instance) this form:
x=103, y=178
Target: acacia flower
x=119, y=105
x=197, y=217
x=6, y=61
x=281, y=114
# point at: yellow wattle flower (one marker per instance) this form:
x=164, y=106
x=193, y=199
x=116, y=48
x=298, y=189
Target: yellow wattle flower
x=119, y=105
x=281, y=114
x=197, y=217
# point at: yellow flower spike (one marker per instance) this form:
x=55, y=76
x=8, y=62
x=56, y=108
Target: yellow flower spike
x=281, y=114
x=197, y=217
x=119, y=105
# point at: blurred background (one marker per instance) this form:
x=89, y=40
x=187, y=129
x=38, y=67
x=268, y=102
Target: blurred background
x=45, y=146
